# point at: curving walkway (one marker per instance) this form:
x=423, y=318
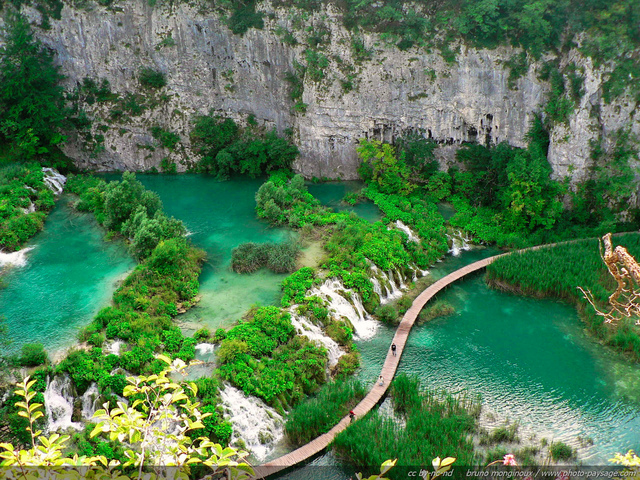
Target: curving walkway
x=388, y=371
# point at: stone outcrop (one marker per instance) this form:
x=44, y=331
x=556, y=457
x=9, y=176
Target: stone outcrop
x=210, y=68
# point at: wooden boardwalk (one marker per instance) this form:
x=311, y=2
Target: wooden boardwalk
x=388, y=371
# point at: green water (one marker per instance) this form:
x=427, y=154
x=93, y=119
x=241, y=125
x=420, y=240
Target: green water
x=530, y=360
x=220, y=216
x=331, y=194
x=70, y=274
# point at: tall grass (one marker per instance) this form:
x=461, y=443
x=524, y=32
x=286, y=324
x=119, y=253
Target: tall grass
x=558, y=271
x=435, y=424
x=277, y=257
x=318, y=414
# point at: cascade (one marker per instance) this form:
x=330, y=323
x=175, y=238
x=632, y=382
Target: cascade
x=90, y=401
x=54, y=180
x=205, y=352
x=115, y=347
x=395, y=292
x=315, y=333
x=365, y=327
x=30, y=209
x=408, y=231
x=257, y=424
x=15, y=259
x=58, y=403
x=459, y=242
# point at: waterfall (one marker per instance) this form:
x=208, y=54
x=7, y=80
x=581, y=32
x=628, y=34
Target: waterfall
x=257, y=424
x=90, y=401
x=114, y=348
x=401, y=284
x=315, y=333
x=395, y=292
x=30, y=209
x=58, y=403
x=365, y=327
x=408, y=231
x=54, y=180
x=15, y=259
x=459, y=242
x=205, y=352
x=376, y=288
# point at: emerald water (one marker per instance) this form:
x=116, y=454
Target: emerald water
x=70, y=273
x=531, y=362
x=331, y=194
x=220, y=215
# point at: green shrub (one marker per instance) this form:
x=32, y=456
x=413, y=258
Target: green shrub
x=32, y=355
x=151, y=78
x=561, y=451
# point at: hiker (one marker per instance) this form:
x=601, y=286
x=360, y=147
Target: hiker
x=381, y=381
x=352, y=416
x=393, y=349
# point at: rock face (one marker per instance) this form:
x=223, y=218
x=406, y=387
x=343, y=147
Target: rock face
x=210, y=68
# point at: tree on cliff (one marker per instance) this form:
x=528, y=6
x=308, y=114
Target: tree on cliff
x=32, y=103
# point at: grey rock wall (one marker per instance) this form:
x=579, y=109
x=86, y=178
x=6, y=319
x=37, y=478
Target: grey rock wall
x=208, y=67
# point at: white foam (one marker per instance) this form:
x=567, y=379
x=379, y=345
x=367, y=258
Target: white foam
x=257, y=424
x=15, y=259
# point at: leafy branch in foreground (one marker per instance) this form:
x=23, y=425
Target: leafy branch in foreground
x=153, y=426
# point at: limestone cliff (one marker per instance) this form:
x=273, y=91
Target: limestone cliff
x=208, y=67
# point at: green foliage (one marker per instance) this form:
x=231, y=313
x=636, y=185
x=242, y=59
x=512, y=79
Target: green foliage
x=150, y=78
x=32, y=104
x=518, y=66
x=558, y=271
x=388, y=314
x=434, y=423
x=20, y=187
x=560, y=451
x=244, y=16
x=166, y=138
x=418, y=155
x=316, y=65
x=32, y=355
x=142, y=422
x=381, y=166
x=277, y=257
x=265, y=358
x=318, y=414
x=226, y=149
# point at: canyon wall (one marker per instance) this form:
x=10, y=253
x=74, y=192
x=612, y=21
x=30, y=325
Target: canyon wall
x=390, y=93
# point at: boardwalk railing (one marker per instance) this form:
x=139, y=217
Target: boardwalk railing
x=388, y=371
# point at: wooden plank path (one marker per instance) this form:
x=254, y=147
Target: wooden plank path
x=388, y=371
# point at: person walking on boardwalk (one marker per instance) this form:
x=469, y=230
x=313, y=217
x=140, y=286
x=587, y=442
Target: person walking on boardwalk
x=352, y=416
x=393, y=349
x=380, y=381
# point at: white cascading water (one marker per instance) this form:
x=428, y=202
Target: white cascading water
x=54, y=180
x=257, y=424
x=205, y=352
x=90, y=401
x=365, y=326
x=459, y=242
x=30, y=209
x=315, y=333
x=393, y=292
x=58, y=403
x=114, y=348
x=412, y=237
x=14, y=259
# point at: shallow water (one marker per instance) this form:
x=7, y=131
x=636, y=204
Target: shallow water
x=530, y=360
x=220, y=216
x=70, y=274
x=331, y=194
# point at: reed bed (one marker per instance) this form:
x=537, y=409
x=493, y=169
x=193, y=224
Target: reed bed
x=318, y=414
x=426, y=424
